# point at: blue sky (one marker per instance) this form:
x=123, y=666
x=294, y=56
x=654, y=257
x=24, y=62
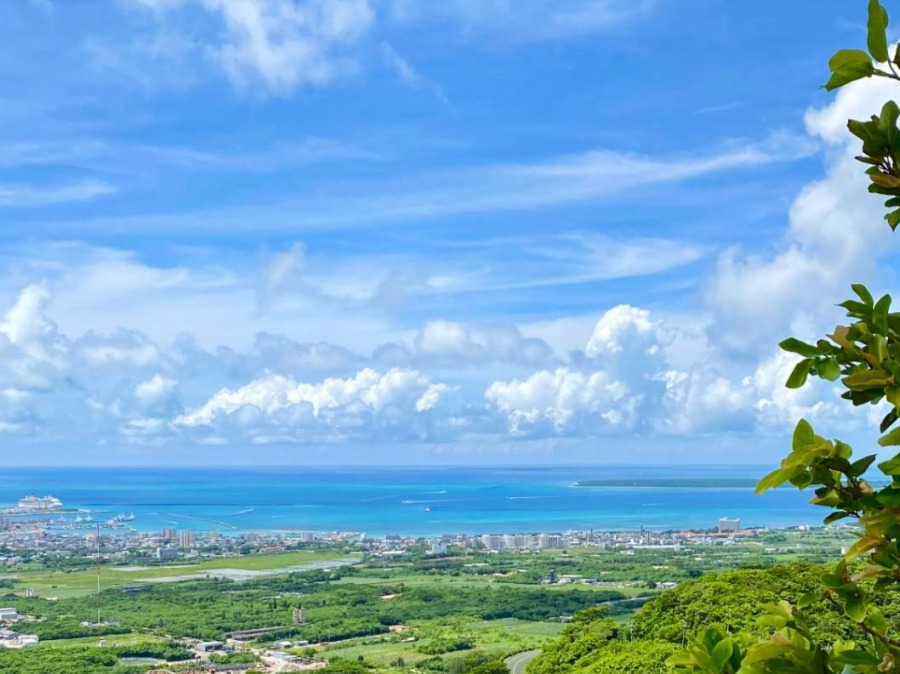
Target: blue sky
x=475, y=231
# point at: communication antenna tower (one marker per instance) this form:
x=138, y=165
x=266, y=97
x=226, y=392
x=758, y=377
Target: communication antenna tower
x=99, y=596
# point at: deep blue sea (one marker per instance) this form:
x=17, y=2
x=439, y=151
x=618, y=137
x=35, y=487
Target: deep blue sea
x=421, y=501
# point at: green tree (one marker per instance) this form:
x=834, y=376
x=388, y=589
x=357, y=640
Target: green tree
x=493, y=667
x=864, y=355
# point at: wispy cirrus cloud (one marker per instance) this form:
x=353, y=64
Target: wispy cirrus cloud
x=44, y=6
x=276, y=47
x=22, y=195
x=525, y=19
x=272, y=46
x=115, y=155
x=595, y=175
x=408, y=74
x=574, y=258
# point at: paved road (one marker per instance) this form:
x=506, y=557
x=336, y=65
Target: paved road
x=517, y=663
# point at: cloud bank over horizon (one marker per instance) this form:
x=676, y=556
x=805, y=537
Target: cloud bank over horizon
x=428, y=230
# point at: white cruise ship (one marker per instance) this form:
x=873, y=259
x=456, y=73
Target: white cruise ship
x=34, y=503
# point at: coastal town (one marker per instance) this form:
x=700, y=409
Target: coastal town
x=51, y=554
x=39, y=529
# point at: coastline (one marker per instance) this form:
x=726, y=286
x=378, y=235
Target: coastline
x=417, y=502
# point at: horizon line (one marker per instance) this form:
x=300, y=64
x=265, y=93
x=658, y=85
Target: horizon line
x=388, y=466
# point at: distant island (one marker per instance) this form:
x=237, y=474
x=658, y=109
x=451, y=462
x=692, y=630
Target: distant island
x=674, y=483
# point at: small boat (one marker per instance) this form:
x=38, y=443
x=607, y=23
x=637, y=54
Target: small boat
x=428, y=509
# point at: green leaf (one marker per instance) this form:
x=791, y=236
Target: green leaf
x=862, y=546
x=829, y=368
x=800, y=373
x=833, y=580
x=855, y=607
x=703, y=660
x=892, y=393
x=890, y=112
x=800, y=348
x=878, y=349
x=889, y=497
x=859, y=468
x=848, y=57
x=827, y=348
x=848, y=65
x=857, y=657
x=891, y=466
x=834, y=517
x=774, y=479
x=889, y=420
x=892, y=367
x=681, y=659
x=809, y=599
x=880, y=313
x=843, y=451
x=765, y=651
x=775, y=621
x=877, y=33
x=863, y=294
x=804, y=435
x=782, y=608
x=893, y=219
x=721, y=654
x=882, y=179
x=876, y=619
x=875, y=143
x=830, y=498
x=856, y=309
x=889, y=440
x=865, y=380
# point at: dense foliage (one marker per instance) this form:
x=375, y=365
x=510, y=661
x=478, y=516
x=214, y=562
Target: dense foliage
x=865, y=356
x=728, y=602
x=160, y=651
x=209, y=609
x=68, y=661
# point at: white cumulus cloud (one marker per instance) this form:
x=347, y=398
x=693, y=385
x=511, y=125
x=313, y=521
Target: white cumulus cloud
x=456, y=342
x=368, y=404
x=563, y=401
x=836, y=236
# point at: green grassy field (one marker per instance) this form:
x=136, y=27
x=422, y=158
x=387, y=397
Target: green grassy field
x=470, y=581
x=73, y=583
x=494, y=637
x=111, y=640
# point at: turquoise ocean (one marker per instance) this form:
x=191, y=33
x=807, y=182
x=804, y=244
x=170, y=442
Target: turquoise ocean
x=417, y=501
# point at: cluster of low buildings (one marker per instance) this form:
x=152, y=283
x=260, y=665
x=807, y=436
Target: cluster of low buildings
x=725, y=530
x=274, y=659
x=36, y=538
x=10, y=638
x=494, y=542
